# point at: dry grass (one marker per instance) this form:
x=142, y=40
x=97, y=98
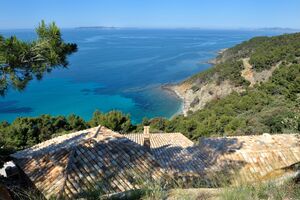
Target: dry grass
x=269, y=191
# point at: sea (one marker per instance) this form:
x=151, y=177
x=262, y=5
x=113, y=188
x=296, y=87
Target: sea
x=120, y=69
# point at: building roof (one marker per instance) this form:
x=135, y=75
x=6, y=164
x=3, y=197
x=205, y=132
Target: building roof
x=247, y=158
x=159, y=140
x=171, y=150
x=255, y=157
x=98, y=158
x=72, y=164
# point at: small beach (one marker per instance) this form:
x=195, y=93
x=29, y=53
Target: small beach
x=179, y=89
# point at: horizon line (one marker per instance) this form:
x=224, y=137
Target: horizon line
x=154, y=27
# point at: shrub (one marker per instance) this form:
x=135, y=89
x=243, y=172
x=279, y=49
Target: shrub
x=114, y=120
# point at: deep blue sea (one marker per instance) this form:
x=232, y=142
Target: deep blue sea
x=120, y=69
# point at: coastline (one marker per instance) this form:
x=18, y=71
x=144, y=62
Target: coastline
x=174, y=90
x=214, y=61
x=179, y=89
x=170, y=88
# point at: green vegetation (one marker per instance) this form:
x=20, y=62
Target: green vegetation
x=114, y=120
x=264, y=52
x=21, y=61
x=228, y=70
x=28, y=131
x=271, y=107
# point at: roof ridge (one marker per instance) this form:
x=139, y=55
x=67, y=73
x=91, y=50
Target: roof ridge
x=152, y=133
x=97, y=131
x=71, y=159
x=67, y=168
x=259, y=135
x=131, y=143
x=269, y=150
x=71, y=140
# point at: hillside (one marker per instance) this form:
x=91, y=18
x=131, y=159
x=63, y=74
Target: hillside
x=238, y=68
x=253, y=88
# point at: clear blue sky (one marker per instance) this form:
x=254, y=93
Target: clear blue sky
x=152, y=13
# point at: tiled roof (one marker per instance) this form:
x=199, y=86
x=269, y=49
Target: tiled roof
x=256, y=157
x=57, y=143
x=247, y=158
x=158, y=140
x=71, y=165
x=171, y=150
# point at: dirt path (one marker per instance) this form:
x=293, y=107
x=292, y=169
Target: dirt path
x=247, y=73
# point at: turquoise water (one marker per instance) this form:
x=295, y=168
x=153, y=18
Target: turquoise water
x=119, y=69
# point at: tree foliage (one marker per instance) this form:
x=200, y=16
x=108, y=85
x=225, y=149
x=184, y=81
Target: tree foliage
x=264, y=52
x=28, y=131
x=21, y=61
x=24, y=132
x=114, y=120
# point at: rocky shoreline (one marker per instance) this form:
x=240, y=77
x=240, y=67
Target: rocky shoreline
x=214, y=61
x=183, y=90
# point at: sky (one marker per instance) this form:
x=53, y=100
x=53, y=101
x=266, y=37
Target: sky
x=152, y=13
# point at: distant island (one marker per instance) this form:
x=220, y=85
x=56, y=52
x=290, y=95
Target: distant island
x=97, y=27
x=278, y=29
